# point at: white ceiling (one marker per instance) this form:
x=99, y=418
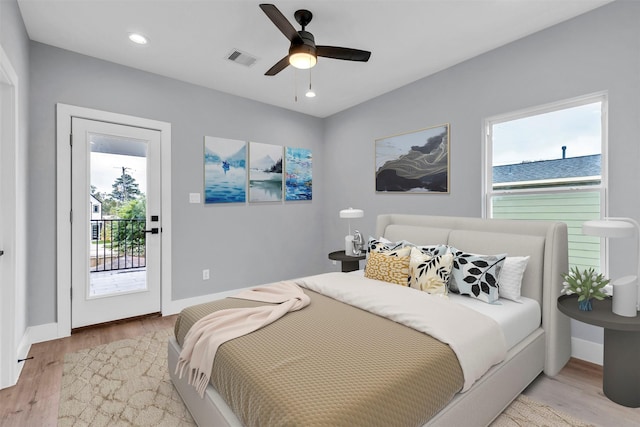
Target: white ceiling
x=190, y=39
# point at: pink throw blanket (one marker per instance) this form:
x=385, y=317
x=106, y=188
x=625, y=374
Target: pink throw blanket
x=207, y=334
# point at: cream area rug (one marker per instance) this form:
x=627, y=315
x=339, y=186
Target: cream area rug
x=126, y=383
x=525, y=411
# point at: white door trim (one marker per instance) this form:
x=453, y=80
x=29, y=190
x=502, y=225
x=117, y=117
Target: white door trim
x=12, y=291
x=63, y=161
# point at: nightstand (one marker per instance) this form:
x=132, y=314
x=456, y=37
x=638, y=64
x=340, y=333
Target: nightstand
x=621, y=364
x=349, y=263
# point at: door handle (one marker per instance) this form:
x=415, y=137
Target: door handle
x=154, y=230
x=1, y=252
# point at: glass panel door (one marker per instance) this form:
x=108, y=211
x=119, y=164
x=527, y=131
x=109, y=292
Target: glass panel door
x=116, y=226
x=118, y=199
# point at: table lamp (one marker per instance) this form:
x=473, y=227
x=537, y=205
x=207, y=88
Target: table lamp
x=626, y=295
x=348, y=239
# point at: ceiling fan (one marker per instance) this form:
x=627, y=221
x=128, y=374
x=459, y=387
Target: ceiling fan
x=303, y=51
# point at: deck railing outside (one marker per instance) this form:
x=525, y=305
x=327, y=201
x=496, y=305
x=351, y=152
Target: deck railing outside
x=117, y=244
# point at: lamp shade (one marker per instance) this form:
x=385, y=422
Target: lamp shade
x=608, y=228
x=351, y=213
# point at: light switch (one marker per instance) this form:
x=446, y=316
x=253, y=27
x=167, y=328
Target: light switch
x=194, y=197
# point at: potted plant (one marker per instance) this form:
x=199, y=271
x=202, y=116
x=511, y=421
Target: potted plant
x=586, y=284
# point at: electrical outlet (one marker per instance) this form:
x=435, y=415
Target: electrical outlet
x=205, y=274
x=334, y=262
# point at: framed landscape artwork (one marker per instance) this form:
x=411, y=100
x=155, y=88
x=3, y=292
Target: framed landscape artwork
x=225, y=172
x=265, y=172
x=413, y=162
x=298, y=174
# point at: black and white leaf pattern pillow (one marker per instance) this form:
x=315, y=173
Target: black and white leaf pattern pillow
x=434, y=250
x=476, y=275
x=383, y=245
x=429, y=273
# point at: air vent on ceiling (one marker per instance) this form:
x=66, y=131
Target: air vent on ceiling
x=240, y=57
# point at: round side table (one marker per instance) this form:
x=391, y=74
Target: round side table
x=620, y=370
x=349, y=263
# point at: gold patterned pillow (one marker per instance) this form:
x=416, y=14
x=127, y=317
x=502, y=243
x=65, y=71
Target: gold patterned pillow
x=430, y=273
x=389, y=268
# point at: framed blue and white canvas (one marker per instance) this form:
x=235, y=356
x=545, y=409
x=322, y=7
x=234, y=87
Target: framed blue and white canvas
x=414, y=162
x=298, y=173
x=265, y=172
x=225, y=170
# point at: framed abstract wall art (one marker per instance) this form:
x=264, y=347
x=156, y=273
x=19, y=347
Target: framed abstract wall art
x=225, y=172
x=265, y=172
x=298, y=174
x=413, y=162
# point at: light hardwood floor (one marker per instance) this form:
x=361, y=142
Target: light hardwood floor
x=33, y=402
x=577, y=390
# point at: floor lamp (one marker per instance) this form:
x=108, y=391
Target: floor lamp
x=626, y=295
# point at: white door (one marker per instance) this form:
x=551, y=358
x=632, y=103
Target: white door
x=115, y=240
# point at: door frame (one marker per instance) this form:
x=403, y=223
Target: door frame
x=12, y=292
x=64, y=113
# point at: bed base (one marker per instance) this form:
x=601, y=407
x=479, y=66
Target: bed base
x=488, y=397
x=545, y=350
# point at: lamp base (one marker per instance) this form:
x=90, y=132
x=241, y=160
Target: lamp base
x=625, y=296
x=348, y=245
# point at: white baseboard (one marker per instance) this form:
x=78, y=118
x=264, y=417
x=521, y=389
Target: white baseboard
x=49, y=331
x=41, y=333
x=174, y=307
x=587, y=350
x=33, y=334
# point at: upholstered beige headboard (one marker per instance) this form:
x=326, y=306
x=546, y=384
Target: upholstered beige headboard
x=545, y=242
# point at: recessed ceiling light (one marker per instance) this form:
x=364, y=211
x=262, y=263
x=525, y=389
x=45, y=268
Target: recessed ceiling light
x=138, y=38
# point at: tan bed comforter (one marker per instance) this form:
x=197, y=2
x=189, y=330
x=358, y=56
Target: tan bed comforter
x=330, y=364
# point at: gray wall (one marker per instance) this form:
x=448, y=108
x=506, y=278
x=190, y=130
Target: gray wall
x=598, y=51
x=242, y=244
x=15, y=43
x=252, y=244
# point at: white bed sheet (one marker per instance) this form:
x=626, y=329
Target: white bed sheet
x=517, y=320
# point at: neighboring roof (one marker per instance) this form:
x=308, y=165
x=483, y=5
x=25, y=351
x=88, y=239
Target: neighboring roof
x=583, y=166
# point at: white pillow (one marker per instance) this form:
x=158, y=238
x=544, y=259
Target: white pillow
x=511, y=277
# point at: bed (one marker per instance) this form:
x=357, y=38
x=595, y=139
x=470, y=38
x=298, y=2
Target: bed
x=545, y=347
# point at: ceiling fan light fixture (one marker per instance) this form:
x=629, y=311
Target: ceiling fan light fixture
x=302, y=60
x=302, y=57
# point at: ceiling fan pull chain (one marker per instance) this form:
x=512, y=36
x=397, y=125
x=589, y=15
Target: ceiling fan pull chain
x=295, y=84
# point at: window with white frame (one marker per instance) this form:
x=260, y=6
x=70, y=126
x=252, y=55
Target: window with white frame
x=549, y=163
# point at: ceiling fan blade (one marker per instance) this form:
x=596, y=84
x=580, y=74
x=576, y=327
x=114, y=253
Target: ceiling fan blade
x=343, y=53
x=281, y=22
x=280, y=65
